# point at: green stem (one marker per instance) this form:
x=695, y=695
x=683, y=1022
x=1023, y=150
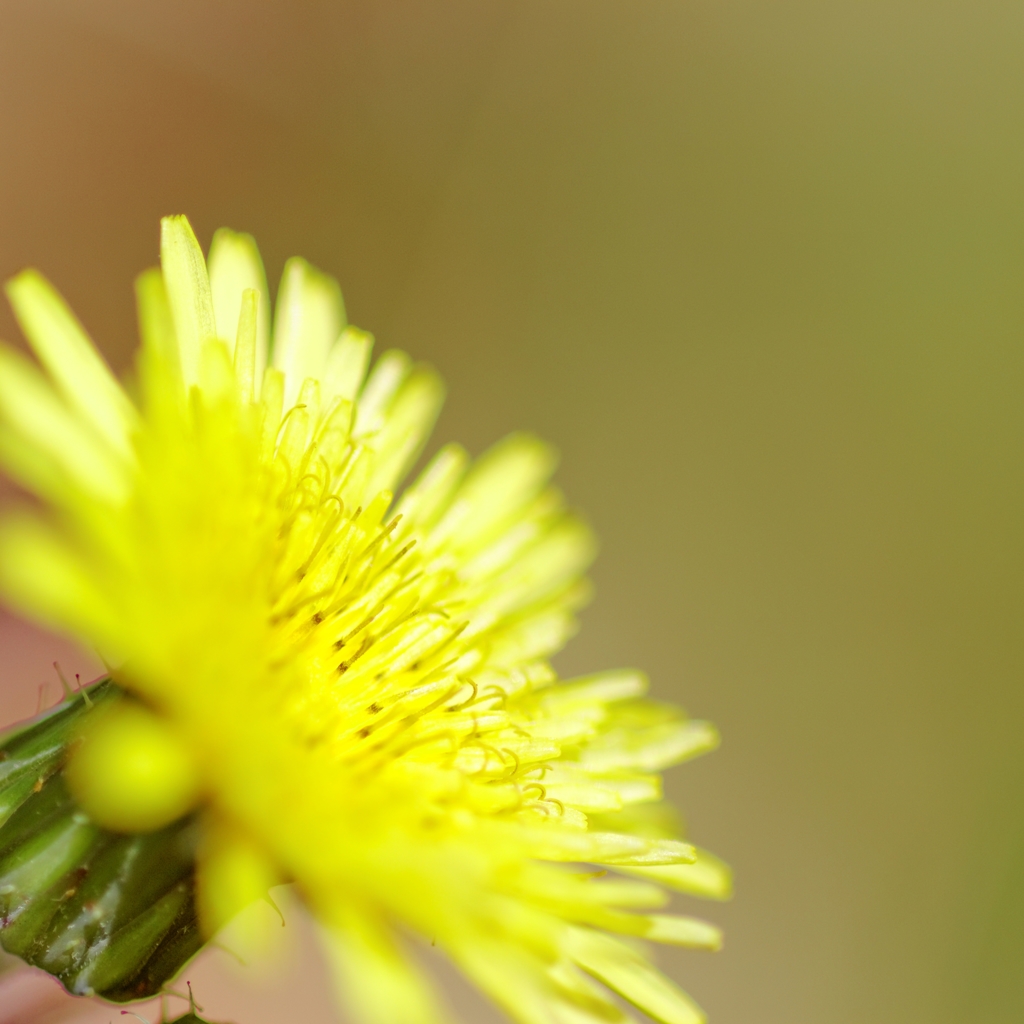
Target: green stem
x=106, y=914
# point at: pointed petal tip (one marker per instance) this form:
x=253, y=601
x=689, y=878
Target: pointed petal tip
x=25, y=276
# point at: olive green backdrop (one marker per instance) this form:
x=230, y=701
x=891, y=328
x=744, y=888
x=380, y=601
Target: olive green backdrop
x=756, y=267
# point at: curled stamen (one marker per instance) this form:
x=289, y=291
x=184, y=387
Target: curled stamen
x=491, y=692
x=363, y=648
x=422, y=741
x=335, y=498
x=535, y=786
x=401, y=724
x=470, y=700
x=325, y=533
x=322, y=484
x=487, y=749
x=302, y=601
x=382, y=535
x=282, y=424
x=345, y=468
x=515, y=757
x=551, y=800
x=403, y=551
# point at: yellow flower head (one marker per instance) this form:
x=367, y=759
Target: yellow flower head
x=354, y=689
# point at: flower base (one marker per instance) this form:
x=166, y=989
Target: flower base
x=106, y=914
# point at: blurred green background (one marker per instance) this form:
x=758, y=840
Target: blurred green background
x=756, y=268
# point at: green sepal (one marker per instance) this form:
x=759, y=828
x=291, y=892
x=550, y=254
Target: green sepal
x=106, y=914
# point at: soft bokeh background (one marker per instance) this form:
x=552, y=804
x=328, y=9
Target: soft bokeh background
x=756, y=267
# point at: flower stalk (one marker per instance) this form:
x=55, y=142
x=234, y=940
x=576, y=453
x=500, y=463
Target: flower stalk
x=106, y=913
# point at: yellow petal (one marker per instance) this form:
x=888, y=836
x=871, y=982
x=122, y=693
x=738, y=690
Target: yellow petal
x=707, y=876
x=42, y=577
x=651, y=749
x=380, y=389
x=71, y=359
x=375, y=978
x=428, y=497
x=309, y=317
x=676, y=930
x=188, y=290
x=409, y=422
x=602, y=687
x=233, y=873
x=632, y=977
x=500, y=484
x=235, y=266
x=346, y=365
x=43, y=421
x=246, y=345
x=156, y=328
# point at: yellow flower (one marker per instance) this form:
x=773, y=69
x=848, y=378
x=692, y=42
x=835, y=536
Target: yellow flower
x=354, y=690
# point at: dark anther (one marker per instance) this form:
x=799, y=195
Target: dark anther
x=375, y=708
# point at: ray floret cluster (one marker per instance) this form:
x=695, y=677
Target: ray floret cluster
x=348, y=690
